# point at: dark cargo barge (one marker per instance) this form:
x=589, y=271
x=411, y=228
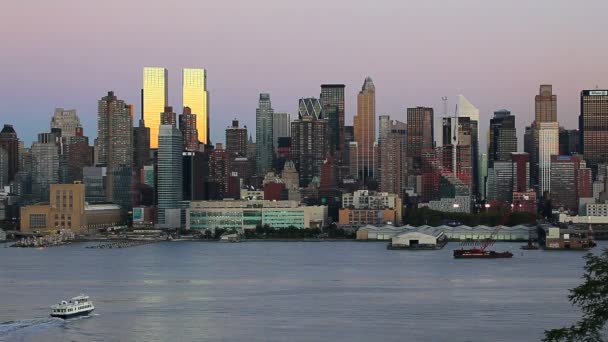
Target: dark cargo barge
x=480, y=254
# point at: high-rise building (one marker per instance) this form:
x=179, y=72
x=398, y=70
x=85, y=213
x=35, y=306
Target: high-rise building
x=593, y=125
x=9, y=142
x=196, y=96
x=332, y=101
x=503, y=137
x=141, y=146
x=459, y=149
x=169, y=186
x=364, y=124
x=570, y=181
x=546, y=104
x=263, y=134
x=187, y=125
x=392, y=145
x=66, y=120
x=195, y=167
x=281, y=128
x=569, y=142
x=309, y=146
x=218, y=170
x=45, y=167
x=546, y=139
x=168, y=117
x=546, y=120
x=468, y=110
x=310, y=107
x=114, y=145
x=3, y=167
x=419, y=135
x=236, y=139
x=154, y=100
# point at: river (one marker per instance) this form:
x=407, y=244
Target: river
x=286, y=291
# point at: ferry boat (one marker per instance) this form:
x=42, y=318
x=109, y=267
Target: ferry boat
x=77, y=306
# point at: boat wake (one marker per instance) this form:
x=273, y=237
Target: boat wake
x=10, y=327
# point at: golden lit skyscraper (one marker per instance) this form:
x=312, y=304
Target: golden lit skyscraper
x=365, y=129
x=195, y=96
x=154, y=101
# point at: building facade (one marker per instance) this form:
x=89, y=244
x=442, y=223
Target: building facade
x=503, y=137
x=419, y=135
x=236, y=139
x=66, y=120
x=154, y=99
x=169, y=170
x=187, y=125
x=593, y=126
x=196, y=97
x=263, y=134
x=309, y=146
x=364, y=126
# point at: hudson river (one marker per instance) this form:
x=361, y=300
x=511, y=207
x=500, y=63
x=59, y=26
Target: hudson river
x=286, y=291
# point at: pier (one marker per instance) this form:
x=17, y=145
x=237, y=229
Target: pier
x=122, y=244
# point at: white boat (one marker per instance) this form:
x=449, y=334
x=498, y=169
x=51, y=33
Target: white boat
x=77, y=306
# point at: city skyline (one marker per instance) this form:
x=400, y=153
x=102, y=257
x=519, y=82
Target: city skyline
x=404, y=79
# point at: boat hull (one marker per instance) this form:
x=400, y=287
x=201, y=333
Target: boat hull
x=477, y=254
x=74, y=314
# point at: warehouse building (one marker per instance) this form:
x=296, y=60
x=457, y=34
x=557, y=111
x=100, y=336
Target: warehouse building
x=458, y=233
x=423, y=237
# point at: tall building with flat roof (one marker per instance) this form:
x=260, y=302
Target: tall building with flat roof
x=67, y=120
x=503, y=137
x=281, y=128
x=236, y=140
x=196, y=96
x=419, y=135
x=187, y=125
x=154, y=99
x=593, y=126
x=115, y=150
x=170, y=184
x=364, y=124
x=10, y=143
x=168, y=117
x=546, y=138
x=332, y=101
x=263, y=134
x=309, y=146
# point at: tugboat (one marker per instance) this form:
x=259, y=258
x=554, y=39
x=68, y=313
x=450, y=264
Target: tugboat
x=77, y=306
x=530, y=246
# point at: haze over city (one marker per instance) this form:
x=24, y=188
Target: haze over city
x=68, y=54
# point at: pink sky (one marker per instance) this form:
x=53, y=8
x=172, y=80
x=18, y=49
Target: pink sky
x=66, y=53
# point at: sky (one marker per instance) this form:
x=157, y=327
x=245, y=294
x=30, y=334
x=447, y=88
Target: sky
x=69, y=53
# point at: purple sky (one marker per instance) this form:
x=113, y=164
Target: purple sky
x=66, y=53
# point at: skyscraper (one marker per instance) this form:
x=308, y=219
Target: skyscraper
x=593, y=125
x=10, y=143
x=236, y=140
x=570, y=181
x=546, y=140
x=263, y=134
x=45, y=166
x=114, y=145
x=187, y=125
x=281, y=128
x=332, y=101
x=66, y=120
x=503, y=137
x=309, y=146
x=195, y=96
x=467, y=109
x=169, y=170
x=154, y=99
x=546, y=104
x=141, y=146
x=419, y=135
x=365, y=129
x=392, y=156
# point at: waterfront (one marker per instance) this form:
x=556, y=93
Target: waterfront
x=295, y=291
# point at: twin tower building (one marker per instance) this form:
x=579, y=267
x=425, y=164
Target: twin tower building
x=155, y=99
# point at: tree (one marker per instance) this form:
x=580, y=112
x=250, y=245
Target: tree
x=592, y=298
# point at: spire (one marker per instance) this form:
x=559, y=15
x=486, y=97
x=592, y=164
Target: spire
x=368, y=84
